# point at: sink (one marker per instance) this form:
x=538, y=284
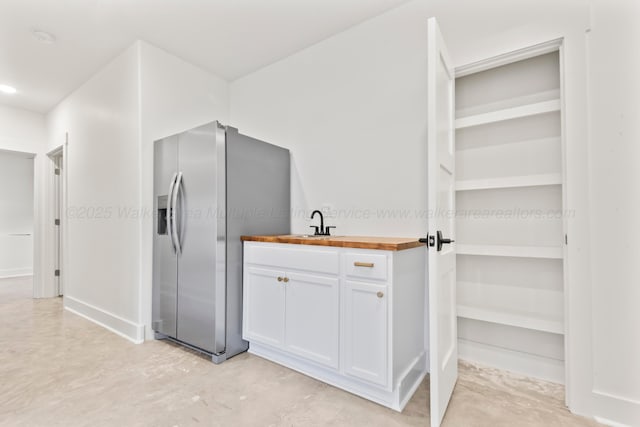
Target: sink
x=310, y=236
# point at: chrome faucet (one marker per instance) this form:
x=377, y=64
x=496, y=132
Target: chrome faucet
x=320, y=230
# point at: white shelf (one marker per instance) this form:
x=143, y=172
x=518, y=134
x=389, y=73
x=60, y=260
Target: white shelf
x=553, y=252
x=531, y=308
x=511, y=319
x=538, y=156
x=528, y=364
x=508, y=114
x=509, y=182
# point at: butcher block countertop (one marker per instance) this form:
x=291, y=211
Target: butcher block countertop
x=362, y=242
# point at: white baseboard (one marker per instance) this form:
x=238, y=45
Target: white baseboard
x=608, y=422
x=116, y=324
x=16, y=272
x=606, y=408
x=614, y=410
x=395, y=398
x=514, y=361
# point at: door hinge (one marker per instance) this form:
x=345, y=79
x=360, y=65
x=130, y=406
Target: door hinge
x=56, y=273
x=56, y=221
x=56, y=171
x=566, y=240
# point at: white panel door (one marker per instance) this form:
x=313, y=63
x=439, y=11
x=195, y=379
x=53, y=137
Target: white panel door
x=264, y=301
x=443, y=351
x=312, y=315
x=365, y=331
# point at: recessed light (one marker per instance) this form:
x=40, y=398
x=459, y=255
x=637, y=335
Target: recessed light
x=43, y=36
x=10, y=90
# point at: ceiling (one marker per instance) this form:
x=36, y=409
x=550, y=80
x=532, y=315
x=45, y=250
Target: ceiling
x=230, y=38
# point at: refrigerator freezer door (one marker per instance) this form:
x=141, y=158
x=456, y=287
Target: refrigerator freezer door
x=165, y=265
x=200, y=233
x=258, y=202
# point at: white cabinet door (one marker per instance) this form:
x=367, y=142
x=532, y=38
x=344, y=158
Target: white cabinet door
x=312, y=317
x=440, y=196
x=365, y=329
x=265, y=305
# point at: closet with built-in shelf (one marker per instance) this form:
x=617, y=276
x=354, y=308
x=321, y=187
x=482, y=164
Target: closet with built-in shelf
x=510, y=219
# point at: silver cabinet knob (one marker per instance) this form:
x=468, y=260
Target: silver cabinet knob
x=380, y=294
x=279, y=279
x=286, y=279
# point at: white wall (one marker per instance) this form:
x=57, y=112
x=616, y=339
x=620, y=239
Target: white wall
x=352, y=108
x=112, y=120
x=102, y=272
x=352, y=111
x=175, y=96
x=16, y=214
x=21, y=130
x=614, y=100
x=24, y=131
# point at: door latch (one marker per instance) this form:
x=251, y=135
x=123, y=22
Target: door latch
x=429, y=240
x=438, y=240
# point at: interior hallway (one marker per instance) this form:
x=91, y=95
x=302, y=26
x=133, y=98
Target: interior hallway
x=58, y=369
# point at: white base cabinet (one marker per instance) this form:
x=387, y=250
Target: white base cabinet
x=264, y=311
x=365, y=331
x=353, y=318
x=311, y=317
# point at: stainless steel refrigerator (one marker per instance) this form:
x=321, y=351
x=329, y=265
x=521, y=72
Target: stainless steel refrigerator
x=211, y=185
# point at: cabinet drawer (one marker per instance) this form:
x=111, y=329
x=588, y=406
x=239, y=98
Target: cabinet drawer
x=298, y=257
x=367, y=266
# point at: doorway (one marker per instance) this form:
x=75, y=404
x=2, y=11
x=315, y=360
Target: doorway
x=16, y=214
x=510, y=197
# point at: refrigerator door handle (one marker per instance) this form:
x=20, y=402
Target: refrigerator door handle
x=170, y=209
x=174, y=222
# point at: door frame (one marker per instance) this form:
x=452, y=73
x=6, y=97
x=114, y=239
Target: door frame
x=532, y=51
x=50, y=288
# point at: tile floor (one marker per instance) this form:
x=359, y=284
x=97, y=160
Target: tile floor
x=58, y=369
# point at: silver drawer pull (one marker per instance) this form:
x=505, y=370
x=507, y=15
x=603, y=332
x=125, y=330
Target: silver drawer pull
x=363, y=264
x=380, y=294
x=279, y=279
